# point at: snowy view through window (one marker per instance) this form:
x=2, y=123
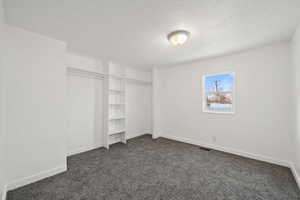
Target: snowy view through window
x=218, y=93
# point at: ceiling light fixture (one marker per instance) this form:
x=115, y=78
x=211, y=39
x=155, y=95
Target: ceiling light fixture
x=179, y=37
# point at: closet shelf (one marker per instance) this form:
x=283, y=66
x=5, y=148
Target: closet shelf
x=116, y=76
x=116, y=90
x=116, y=132
x=116, y=118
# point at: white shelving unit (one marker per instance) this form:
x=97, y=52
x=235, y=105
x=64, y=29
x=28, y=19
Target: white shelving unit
x=116, y=105
x=116, y=123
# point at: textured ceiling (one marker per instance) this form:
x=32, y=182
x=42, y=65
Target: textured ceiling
x=134, y=32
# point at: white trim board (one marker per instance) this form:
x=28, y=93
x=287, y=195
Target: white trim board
x=36, y=177
x=295, y=173
x=3, y=192
x=136, y=81
x=48, y=173
x=139, y=135
x=83, y=149
x=240, y=153
x=229, y=150
x=84, y=73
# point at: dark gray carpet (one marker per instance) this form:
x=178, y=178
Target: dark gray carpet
x=162, y=169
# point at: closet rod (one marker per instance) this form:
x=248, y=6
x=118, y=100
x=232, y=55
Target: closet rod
x=130, y=80
x=85, y=73
x=97, y=75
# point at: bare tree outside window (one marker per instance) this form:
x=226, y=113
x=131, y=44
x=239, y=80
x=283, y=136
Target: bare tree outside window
x=218, y=93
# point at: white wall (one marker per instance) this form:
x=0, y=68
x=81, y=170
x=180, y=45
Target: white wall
x=138, y=109
x=157, y=89
x=35, y=106
x=2, y=130
x=262, y=125
x=135, y=74
x=85, y=113
x=138, y=102
x=83, y=62
x=296, y=64
x=85, y=105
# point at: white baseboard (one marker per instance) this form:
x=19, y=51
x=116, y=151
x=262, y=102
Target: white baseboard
x=295, y=173
x=229, y=150
x=27, y=180
x=137, y=135
x=3, y=193
x=34, y=178
x=240, y=153
x=155, y=136
x=83, y=149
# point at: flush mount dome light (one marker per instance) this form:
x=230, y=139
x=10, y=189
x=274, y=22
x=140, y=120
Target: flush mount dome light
x=178, y=38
